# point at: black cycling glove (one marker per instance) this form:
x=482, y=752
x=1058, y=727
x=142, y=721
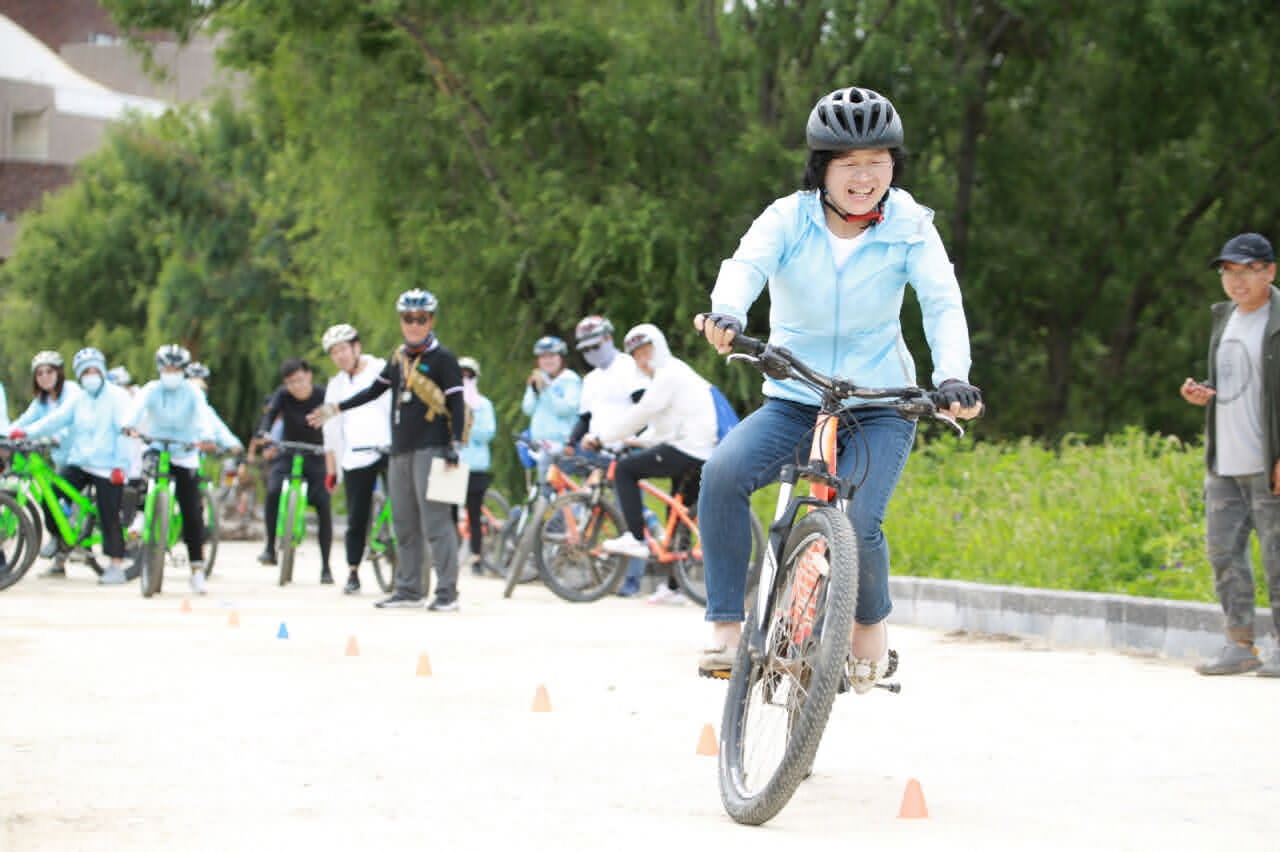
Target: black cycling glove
x=450, y=454
x=723, y=321
x=954, y=390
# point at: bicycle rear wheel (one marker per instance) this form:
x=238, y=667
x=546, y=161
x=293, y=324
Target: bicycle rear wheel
x=692, y=576
x=568, y=553
x=288, y=548
x=18, y=541
x=153, y=550
x=780, y=695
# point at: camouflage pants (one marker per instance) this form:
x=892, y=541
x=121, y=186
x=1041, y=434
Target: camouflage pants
x=1234, y=506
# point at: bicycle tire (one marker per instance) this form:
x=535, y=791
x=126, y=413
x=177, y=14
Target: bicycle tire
x=691, y=575
x=798, y=672
x=31, y=507
x=18, y=542
x=521, y=565
x=569, y=558
x=387, y=558
x=287, y=547
x=212, y=530
x=154, y=549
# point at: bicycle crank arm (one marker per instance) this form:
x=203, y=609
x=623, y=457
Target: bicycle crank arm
x=892, y=686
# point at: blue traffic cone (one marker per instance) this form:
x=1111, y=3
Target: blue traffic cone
x=283, y=633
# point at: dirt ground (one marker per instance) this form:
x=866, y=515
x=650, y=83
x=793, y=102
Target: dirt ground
x=131, y=724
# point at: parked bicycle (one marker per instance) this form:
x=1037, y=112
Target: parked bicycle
x=40, y=492
x=793, y=657
x=19, y=533
x=291, y=522
x=571, y=530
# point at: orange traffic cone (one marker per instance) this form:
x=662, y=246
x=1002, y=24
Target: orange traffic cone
x=541, y=701
x=707, y=742
x=424, y=666
x=353, y=650
x=233, y=620
x=186, y=605
x=913, y=806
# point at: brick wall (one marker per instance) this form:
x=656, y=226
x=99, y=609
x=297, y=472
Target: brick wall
x=22, y=185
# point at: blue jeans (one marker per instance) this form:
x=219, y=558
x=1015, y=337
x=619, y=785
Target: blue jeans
x=1233, y=506
x=752, y=455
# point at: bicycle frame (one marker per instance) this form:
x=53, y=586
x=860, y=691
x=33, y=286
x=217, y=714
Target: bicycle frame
x=162, y=481
x=298, y=482
x=48, y=489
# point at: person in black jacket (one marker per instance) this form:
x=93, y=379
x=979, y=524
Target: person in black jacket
x=428, y=420
x=292, y=402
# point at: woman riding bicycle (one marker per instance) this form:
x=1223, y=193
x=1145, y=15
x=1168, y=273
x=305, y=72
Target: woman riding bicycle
x=836, y=257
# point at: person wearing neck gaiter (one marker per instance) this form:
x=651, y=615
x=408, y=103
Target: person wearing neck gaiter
x=609, y=390
x=429, y=419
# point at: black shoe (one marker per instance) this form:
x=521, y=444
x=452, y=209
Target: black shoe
x=444, y=605
x=352, y=586
x=267, y=557
x=55, y=570
x=399, y=601
x=1232, y=659
x=326, y=578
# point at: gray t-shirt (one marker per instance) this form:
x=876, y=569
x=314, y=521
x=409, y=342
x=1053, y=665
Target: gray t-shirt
x=1239, y=397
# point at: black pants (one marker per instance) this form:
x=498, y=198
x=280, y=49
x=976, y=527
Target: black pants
x=477, y=484
x=186, y=486
x=662, y=460
x=108, y=498
x=313, y=473
x=359, y=483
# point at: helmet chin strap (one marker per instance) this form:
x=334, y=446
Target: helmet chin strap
x=874, y=217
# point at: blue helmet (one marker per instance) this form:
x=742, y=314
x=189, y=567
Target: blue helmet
x=416, y=300
x=86, y=358
x=550, y=345
x=120, y=376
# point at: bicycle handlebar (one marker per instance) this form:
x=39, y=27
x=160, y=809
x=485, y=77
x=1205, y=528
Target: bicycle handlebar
x=298, y=447
x=169, y=444
x=28, y=445
x=777, y=362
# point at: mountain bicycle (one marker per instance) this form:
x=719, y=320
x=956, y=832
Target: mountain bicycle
x=35, y=485
x=19, y=536
x=494, y=513
x=573, y=567
x=793, y=657
x=161, y=517
x=209, y=488
x=291, y=522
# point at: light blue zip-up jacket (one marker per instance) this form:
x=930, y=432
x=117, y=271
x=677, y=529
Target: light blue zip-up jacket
x=180, y=414
x=39, y=408
x=92, y=423
x=553, y=413
x=847, y=324
x=484, y=425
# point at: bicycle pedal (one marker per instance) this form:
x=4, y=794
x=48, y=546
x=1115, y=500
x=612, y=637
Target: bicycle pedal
x=892, y=665
x=892, y=686
x=714, y=674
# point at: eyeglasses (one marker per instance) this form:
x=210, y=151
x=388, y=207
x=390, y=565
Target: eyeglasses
x=590, y=347
x=1247, y=269
x=416, y=319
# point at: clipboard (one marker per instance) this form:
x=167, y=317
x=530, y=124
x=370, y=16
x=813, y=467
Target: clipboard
x=447, y=485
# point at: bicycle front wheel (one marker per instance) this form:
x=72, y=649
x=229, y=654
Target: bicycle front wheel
x=212, y=529
x=521, y=567
x=692, y=576
x=288, y=547
x=156, y=546
x=780, y=695
x=568, y=552
x=18, y=541
x=382, y=545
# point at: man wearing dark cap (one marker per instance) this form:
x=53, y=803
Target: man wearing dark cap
x=1242, y=446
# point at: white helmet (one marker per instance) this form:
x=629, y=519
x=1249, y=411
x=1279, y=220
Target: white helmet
x=46, y=358
x=340, y=333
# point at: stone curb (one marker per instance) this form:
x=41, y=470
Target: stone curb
x=1176, y=629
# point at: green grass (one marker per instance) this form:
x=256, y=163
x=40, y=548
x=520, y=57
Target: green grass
x=1125, y=516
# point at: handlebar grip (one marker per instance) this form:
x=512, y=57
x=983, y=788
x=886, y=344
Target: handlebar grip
x=747, y=345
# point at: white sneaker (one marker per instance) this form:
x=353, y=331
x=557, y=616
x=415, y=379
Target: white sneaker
x=198, y=584
x=113, y=576
x=626, y=545
x=667, y=596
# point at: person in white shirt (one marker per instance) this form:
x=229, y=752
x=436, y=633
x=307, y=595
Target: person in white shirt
x=678, y=419
x=608, y=391
x=351, y=439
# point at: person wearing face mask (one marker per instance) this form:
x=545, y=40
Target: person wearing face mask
x=349, y=437
x=609, y=390
x=678, y=419
x=96, y=450
x=429, y=420
x=551, y=397
x=172, y=408
x=484, y=425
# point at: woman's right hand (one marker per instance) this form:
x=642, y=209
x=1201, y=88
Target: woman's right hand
x=719, y=330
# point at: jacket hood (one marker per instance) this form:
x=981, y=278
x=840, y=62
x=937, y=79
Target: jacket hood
x=661, y=352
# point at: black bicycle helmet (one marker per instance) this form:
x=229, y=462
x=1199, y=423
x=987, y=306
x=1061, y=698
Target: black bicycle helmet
x=852, y=119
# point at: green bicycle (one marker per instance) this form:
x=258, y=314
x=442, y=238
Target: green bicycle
x=291, y=522
x=161, y=515
x=32, y=482
x=18, y=539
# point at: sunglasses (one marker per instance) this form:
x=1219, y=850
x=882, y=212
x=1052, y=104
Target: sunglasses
x=592, y=347
x=416, y=319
